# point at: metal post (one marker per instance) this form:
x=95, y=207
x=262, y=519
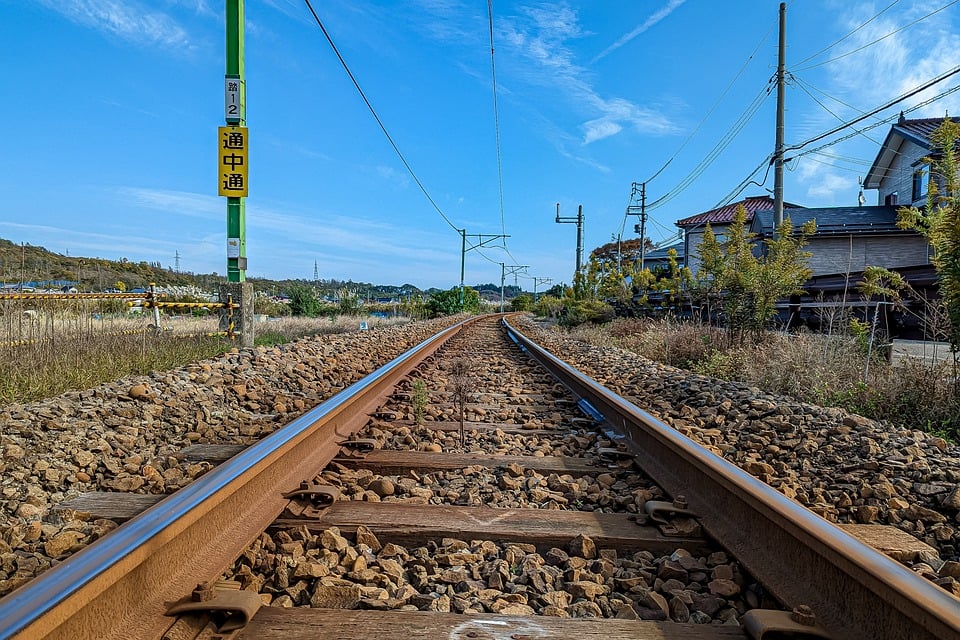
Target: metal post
x=579, y=237
x=236, y=207
x=643, y=223
x=778, y=151
x=579, y=222
x=482, y=240
x=463, y=260
x=502, y=268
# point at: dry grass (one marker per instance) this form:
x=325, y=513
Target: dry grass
x=823, y=370
x=54, y=351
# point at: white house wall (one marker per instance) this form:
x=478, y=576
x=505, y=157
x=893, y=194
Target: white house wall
x=899, y=177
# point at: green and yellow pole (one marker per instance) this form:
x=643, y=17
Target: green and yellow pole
x=236, y=115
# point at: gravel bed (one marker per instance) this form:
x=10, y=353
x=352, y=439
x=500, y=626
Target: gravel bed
x=297, y=568
x=847, y=468
x=127, y=435
x=294, y=567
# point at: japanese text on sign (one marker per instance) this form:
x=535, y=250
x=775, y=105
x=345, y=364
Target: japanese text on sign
x=233, y=152
x=233, y=99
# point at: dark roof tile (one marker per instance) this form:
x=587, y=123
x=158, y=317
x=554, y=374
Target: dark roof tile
x=724, y=214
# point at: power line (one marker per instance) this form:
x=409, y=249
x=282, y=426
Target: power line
x=714, y=153
x=870, y=44
x=911, y=93
x=803, y=88
x=882, y=122
x=377, y=118
x=830, y=46
x=496, y=122
x=715, y=104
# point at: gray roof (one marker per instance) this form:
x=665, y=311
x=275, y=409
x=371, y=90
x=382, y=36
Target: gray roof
x=837, y=220
x=661, y=253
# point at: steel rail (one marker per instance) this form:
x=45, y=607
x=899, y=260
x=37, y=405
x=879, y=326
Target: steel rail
x=119, y=586
x=855, y=591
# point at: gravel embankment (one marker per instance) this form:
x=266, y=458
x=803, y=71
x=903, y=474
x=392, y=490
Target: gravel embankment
x=847, y=468
x=126, y=435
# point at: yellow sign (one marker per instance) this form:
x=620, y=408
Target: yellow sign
x=233, y=148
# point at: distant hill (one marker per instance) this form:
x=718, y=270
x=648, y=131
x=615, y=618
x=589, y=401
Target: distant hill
x=29, y=263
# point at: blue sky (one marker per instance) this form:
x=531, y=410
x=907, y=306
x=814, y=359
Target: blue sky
x=110, y=112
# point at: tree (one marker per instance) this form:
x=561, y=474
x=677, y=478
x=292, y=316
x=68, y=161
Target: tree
x=523, y=302
x=446, y=303
x=939, y=222
x=749, y=286
x=303, y=301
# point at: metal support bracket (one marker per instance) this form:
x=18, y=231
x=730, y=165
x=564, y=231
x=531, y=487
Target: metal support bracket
x=358, y=447
x=799, y=624
x=310, y=500
x=230, y=608
x=673, y=518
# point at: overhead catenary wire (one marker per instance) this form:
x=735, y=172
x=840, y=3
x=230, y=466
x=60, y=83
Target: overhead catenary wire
x=496, y=122
x=376, y=117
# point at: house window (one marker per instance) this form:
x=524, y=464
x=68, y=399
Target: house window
x=890, y=199
x=921, y=180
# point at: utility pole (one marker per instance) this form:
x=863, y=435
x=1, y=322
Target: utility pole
x=233, y=149
x=778, y=151
x=539, y=280
x=579, y=222
x=504, y=272
x=642, y=227
x=483, y=239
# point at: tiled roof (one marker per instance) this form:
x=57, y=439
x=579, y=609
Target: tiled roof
x=839, y=220
x=724, y=214
x=919, y=129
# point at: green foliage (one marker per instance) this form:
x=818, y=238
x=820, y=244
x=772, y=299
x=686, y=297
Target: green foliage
x=747, y=285
x=419, y=400
x=580, y=311
x=348, y=302
x=548, y=306
x=523, y=302
x=447, y=303
x=939, y=220
x=265, y=304
x=304, y=301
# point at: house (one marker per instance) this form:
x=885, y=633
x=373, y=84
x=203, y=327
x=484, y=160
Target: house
x=719, y=220
x=898, y=173
x=658, y=257
x=850, y=239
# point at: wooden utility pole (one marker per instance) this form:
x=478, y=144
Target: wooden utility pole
x=778, y=151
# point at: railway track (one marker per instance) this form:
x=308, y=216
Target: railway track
x=559, y=510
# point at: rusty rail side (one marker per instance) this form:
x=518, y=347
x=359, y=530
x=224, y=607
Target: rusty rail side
x=855, y=591
x=119, y=586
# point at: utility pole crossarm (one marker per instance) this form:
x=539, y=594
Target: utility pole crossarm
x=579, y=222
x=483, y=239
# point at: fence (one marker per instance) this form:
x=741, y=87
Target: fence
x=150, y=299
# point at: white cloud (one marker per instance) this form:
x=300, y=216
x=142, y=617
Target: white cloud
x=128, y=20
x=656, y=17
x=541, y=38
x=833, y=188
